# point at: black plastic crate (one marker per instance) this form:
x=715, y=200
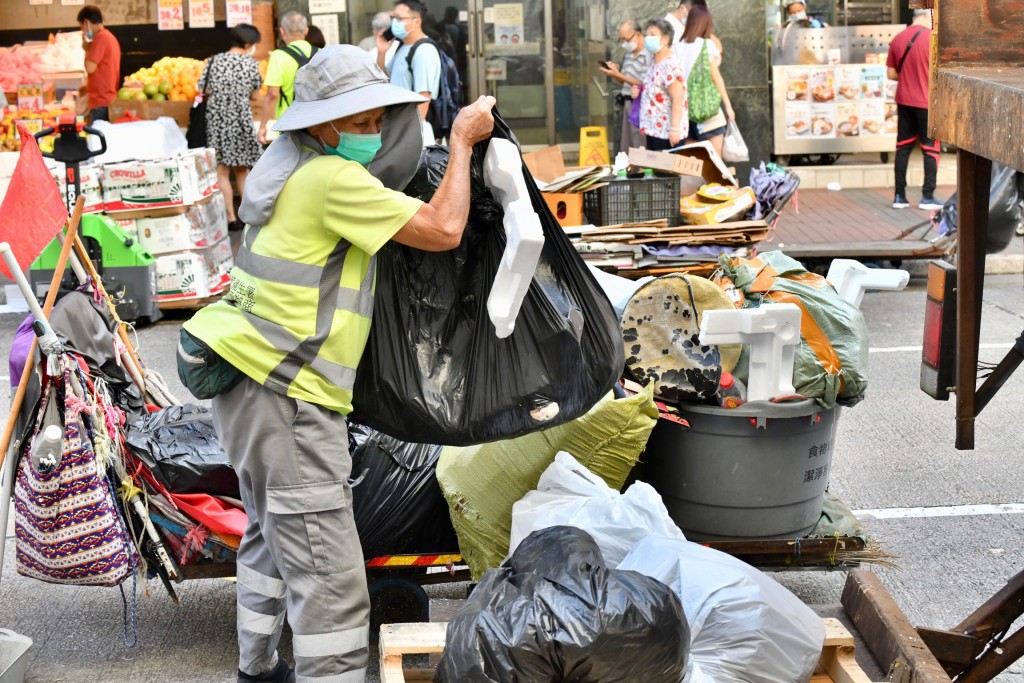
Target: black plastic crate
x=627, y=200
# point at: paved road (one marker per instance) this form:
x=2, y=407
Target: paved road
x=895, y=449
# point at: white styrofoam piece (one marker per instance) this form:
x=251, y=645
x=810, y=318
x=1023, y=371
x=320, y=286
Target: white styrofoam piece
x=619, y=290
x=139, y=140
x=772, y=331
x=503, y=174
x=852, y=278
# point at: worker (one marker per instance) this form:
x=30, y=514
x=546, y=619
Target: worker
x=796, y=15
x=287, y=339
x=281, y=68
x=102, y=62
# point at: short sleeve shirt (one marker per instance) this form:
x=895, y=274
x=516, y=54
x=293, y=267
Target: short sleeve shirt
x=912, y=86
x=634, y=66
x=102, y=84
x=426, y=69
x=655, y=102
x=281, y=68
x=677, y=27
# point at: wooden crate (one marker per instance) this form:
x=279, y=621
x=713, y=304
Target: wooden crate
x=837, y=663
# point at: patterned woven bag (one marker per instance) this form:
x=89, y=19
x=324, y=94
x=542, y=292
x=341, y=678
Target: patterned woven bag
x=67, y=522
x=702, y=96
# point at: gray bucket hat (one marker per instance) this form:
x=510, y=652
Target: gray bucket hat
x=339, y=81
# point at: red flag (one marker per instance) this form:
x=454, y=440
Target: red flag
x=33, y=211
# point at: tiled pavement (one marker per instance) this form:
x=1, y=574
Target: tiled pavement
x=821, y=216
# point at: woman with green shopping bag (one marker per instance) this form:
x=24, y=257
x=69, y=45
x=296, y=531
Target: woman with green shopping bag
x=706, y=93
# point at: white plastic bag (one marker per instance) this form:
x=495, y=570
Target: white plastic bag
x=568, y=494
x=734, y=149
x=744, y=626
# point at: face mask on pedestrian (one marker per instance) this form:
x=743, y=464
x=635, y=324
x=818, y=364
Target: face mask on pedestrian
x=398, y=28
x=652, y=43
x=89, y=33
x=799, y=16
x=629, y=45
x=357, y=147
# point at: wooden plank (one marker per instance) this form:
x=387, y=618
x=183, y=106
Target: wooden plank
x=876, y=249
x=890, y=637
x=973, y=178
x=950, y=647
x=842, y=666
x=980, y=31
x=836, y=634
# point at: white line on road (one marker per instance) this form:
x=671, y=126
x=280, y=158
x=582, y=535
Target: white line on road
x=941, y=511
x=917, y=349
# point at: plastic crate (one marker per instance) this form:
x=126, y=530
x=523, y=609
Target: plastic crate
x=629, y=200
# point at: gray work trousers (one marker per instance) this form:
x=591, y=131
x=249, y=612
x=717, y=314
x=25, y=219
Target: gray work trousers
x=300, y=554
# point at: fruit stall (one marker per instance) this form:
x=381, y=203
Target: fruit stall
x=166, y=88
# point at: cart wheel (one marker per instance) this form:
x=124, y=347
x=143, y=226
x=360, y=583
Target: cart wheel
x=885, y=157
x=395, y=601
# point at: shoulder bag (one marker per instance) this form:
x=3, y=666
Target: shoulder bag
x=702, y=94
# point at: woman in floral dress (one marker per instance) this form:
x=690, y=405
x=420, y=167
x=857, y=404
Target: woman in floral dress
x=663, y=116
x=229, y=80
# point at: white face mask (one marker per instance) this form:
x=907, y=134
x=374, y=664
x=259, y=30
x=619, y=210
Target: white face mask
x=799, y=16
x=251, y=51
x=628, y=45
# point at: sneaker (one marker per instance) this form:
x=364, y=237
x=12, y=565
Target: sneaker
x=929, y=203
x=900, y=202
x=282, y=673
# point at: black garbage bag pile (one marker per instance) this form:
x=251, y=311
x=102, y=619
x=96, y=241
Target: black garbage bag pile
x=434, y=371
x=554, y=612
x=398, y=505
x=180, y=446
x=1005, y=209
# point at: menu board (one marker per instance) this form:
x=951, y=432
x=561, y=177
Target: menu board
x=848, y=100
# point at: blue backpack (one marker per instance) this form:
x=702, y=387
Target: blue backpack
x=443, y=110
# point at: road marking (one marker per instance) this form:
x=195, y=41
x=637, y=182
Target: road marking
x=917, y=349
x=941, y=511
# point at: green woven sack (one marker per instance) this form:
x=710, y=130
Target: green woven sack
x=701, y=92
x=481, y=483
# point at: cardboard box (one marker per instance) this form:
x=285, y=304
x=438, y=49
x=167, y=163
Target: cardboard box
x=91, y=187
x=547, y=164
x=566, y=208
x=666, y=161
x=174, y=233
x=696, y=210
x=206, y=171
x=148, y=185
x=182, y=275
x=215, y=216
x=150, y=110
x=220, y=260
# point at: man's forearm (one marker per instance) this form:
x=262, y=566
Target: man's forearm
x=267, y=110
x=451, y=201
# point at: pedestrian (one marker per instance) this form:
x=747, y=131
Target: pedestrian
x=102, y=62
x=663, y=98
x=698, y=49
x=381, y=22
x=281, y=68
x=291, y=330
x=635, y=62
x=908, y=65
x=796, y=15
x=677, y=19
x=315, y=37
x=424, y=74
x=232, y=78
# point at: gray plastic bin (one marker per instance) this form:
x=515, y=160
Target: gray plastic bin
x=757, y=471
x=13, y=660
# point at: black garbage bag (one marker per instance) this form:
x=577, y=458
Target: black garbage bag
x=554, y=612
x=1005, y=210
x=433, y=370
x=398, y=505
x=180, y=446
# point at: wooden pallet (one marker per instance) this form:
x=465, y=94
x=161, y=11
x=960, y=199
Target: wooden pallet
x=837, y=664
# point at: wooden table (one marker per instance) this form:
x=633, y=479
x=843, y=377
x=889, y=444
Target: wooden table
x=977, y=100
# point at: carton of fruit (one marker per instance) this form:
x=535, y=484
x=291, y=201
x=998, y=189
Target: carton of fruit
x=174, y=233
x=91, y=182
x=219, y=261
x=181, y=276
x=129, y=226
x=215, y=216
x=131, y=186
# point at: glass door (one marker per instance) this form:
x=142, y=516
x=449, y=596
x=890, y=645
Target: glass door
x=508, y=57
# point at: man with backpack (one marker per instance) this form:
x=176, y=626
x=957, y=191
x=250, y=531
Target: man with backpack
x=281, y=68
x=422, y=66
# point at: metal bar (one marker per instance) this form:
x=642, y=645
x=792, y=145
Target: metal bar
x=549, y=69
x=995, y=661
x=994, y=382
x=973, y=178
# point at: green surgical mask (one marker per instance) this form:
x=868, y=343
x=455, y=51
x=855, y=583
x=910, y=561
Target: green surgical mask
x=357, y=147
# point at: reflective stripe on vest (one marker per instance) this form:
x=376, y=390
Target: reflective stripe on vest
x=332, y=297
